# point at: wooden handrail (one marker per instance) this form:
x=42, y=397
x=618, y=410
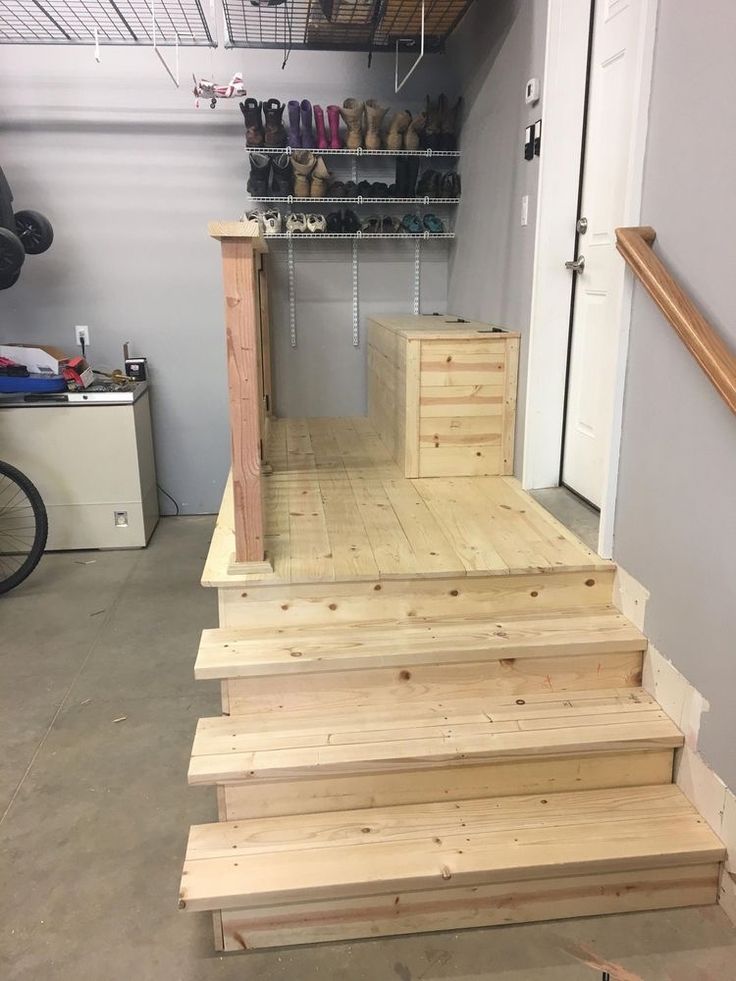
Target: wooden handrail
x=704, y=343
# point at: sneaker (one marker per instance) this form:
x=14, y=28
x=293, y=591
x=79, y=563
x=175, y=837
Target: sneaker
x=412, y=224
x=428, y=185
x=316, y=224
x=271, y=222
x=296, y=223
x=433, y=225
x=350, y=221
x=371, y=225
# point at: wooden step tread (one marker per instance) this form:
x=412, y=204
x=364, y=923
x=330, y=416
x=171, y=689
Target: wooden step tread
x=239, y=653
x=298, y=858
x=294, y=744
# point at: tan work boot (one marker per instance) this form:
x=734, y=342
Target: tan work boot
x=303, y=163
x=374, y=115
x=412, y=137
x=398, y=126
x=352, y=113
x=320, y=179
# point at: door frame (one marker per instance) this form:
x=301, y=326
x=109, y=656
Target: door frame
x=560, y=174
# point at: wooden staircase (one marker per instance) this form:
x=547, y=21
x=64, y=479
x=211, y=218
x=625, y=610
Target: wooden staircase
x=393, y=775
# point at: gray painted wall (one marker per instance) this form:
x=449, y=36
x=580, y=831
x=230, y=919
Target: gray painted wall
x=676, y=512
x=491, y=267
x=130, y=172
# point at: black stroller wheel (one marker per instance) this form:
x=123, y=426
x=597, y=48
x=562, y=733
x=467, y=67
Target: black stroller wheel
x=12, y=253
x=34, y=230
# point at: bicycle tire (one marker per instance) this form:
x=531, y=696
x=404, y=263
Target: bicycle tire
x=41, y=531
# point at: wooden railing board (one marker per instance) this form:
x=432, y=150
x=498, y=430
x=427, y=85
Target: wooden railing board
x=699, y=336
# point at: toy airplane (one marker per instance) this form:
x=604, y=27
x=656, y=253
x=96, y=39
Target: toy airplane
x=205, y=89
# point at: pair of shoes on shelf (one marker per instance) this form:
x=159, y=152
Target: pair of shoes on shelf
x=365, y=120
x=273, y=134
x=311, y=176
x=270, y=222
x=443, y=124
x=433, y=184
x=311, y=224
x=417, y=225
x=345, y=221
x=324, y=136
x=380, y=225
x=277, y=168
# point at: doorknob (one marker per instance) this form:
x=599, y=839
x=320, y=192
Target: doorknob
x=576, y=265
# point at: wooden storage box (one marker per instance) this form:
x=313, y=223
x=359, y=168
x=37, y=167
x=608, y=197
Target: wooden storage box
x=442, y=395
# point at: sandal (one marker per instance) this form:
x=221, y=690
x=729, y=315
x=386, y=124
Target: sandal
x=371, y=225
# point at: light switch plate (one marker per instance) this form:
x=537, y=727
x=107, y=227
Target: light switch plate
x=525, y=210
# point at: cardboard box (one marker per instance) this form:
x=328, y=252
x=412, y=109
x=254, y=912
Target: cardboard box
x=41, y=359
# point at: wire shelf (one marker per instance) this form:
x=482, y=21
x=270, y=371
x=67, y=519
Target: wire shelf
x=421, y=236
x=357, y=200
x=118, y=22
x=351, y=27
x=353, y=153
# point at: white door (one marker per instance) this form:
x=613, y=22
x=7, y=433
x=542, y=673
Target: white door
x=613, y=104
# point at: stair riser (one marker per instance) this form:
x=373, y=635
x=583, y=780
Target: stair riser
x=457, y=908
x=511, y=676
x=255, y=799
x=396, y=600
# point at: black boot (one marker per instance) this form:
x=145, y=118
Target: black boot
x=254, y=132
x=260, y=165
x=282, y=182
x=407, y=169
x=273, y=110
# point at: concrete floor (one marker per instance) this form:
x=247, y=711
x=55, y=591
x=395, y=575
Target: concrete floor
x=577, y=516
x=95, y=811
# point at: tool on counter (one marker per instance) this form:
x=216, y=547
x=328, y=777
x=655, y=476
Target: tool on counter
x=135, y=368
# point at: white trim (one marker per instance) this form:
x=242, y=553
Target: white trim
x=566, y=51
x=563, y=94
x=633, y=217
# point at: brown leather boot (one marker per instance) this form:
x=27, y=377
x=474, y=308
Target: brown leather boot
x=303, y=163
x=374, y=116
x=450, y=124
x=254, y=132
x=397, y=127
x=412, y=137
x=352, y=113
x=273, y=110
x=433, y=129
x=321, y=177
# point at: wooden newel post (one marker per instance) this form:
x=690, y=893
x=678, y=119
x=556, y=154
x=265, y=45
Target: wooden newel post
x=240, y=243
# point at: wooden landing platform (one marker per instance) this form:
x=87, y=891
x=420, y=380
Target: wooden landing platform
x=338, y=509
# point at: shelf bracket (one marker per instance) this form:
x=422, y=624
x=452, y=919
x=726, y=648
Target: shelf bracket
x=417, y=276
x=292, y=297
x=173, y=75
x=399, y=85
x=356, y=296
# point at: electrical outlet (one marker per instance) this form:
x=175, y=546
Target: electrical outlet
x=82, y=336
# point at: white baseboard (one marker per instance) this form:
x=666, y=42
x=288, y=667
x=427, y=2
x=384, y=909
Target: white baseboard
x=684, y=704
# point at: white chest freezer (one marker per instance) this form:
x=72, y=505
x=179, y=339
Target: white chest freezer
x=91, y=458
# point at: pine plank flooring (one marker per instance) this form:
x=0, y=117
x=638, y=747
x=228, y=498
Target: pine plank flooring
x=337, y=508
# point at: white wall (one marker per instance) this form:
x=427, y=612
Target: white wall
x=496, y=52
x=129, y=173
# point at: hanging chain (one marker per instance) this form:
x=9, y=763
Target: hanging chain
x=417, y=275
x=356, y=297
x=292, y=297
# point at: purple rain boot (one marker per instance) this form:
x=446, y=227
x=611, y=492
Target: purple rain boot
x=307, y=131
x=319, y=125
x=295, y=135
x=333, y=114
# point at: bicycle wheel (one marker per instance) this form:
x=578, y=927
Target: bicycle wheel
x=23, y=527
